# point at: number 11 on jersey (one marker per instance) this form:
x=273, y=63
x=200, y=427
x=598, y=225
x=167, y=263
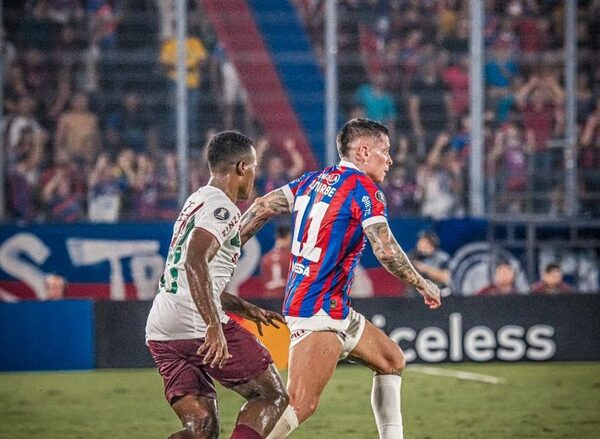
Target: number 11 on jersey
x=308, y=249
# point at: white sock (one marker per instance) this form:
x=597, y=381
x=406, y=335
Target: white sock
x=385, y=400
x=286, y=424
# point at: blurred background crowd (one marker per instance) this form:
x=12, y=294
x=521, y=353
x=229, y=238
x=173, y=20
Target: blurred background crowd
x=89, y=89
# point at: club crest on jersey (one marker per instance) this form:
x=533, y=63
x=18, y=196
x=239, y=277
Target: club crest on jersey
x=221, y=213
x=380, y=197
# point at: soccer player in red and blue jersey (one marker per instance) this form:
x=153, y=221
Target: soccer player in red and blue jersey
x=332, y=211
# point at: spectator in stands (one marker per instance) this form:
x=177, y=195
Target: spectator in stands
x=500, y=68
x=585, y=97
x=65, y=11
x=589, y=161
x=60, y=199
x=440, y=183
x=431, y=261
x=129, y=124
x=56, y=287
x=168, y=203
x=503, y=283
x=36, y=73
x=429, y=106
x=232, y=91
x=104, y=23
x=196, y=55
x=14, y=125
x=7, y=50
x=401, y=193
x=166, y=12
x=456, y=77
x=125, y=170
x=534, y=33
x=275, y=264
x=410, y=57
x=590, y=136
x=55, y=101
x=457, y=42
x=23, y=177
x=104, y=191
x=68, y=49
x=145, y=189
x=508, y=162
x=36, y=27
x=14, y=88
x=275, y=172
x=378, y=102
x=540, y=101
x=551, y=282
x=77, y=131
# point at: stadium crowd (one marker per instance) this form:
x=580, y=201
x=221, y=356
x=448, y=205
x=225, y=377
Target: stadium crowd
x=88, y=127
x=406, y=63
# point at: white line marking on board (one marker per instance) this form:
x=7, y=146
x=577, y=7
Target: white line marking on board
x=460, y=374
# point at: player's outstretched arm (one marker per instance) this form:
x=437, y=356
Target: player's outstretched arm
x=392, y=257
x=202, y=248
x=263, y=209
x=251, y=312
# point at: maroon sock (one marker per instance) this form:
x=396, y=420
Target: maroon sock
x=242, y=431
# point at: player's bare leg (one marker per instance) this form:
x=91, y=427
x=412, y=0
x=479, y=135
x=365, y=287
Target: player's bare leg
x=198, y=415
x=311, y=366
x=378, y=352
x=266, y=401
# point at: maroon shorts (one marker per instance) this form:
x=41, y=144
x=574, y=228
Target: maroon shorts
x=184, y=374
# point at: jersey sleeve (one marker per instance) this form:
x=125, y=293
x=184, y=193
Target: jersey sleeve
x=370, y=204
x=291, y=188
x=217, y=219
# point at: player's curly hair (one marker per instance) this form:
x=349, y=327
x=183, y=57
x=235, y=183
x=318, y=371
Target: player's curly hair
x=227, y=148
x=356, y=128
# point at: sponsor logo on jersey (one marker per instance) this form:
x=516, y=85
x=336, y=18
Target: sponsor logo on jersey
x=231, y=224
x=367, y=204
x=221, y=213
x=301, y=269
x=380, y=197
x=330, y=179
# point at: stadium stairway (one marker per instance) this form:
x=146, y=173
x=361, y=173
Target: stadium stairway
x=270, y=49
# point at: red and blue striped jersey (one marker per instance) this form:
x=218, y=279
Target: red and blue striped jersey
x=329, y=208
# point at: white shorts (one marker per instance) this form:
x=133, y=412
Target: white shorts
x=348, y=331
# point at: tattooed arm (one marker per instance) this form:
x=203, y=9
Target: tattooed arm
x=392, y=257
x=263, y=209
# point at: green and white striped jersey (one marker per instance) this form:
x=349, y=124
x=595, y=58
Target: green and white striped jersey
x=174, y=315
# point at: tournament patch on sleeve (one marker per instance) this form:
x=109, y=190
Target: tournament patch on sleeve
x=218, y=220
x=371, y=201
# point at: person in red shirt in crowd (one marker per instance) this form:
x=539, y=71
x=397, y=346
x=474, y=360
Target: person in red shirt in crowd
x=540, y=101
x=551, y=282
x=504, y=282
x=275, y=264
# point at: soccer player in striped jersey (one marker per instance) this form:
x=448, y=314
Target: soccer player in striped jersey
x=332, y=211
x=190, y=337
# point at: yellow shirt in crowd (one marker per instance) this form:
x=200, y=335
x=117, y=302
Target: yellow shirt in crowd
x=195, y=53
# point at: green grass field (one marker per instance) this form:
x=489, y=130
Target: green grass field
x=552, y=400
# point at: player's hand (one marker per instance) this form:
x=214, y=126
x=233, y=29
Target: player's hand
x=214, y=347
x=263, y=317
x=431, y=294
